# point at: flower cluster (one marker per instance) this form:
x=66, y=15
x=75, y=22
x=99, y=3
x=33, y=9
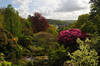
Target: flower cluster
x=70, y=36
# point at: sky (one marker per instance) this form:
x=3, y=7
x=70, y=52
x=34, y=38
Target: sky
x=51, y=9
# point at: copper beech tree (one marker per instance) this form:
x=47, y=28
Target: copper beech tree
x=39, y=23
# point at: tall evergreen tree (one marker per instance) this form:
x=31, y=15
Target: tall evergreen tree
x=95, y=13
x=95, y=7
x=11, y=21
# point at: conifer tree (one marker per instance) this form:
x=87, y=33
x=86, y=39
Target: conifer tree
x=95, y=13
x=95, y=7
x=11, y=21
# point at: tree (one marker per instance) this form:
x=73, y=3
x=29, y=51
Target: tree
x=81, y=20
x=26, y=25
x=95, y=13
x=29, y=18
x=85, y=24
x=1, y=19
x=39, y=23
x=12, y=21
x=95, y=7
x=96, y=21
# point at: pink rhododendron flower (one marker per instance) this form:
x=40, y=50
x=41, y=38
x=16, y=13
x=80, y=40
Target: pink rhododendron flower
x=68, y=37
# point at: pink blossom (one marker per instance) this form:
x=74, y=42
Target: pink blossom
x=70, y=36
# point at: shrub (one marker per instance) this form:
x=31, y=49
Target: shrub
x=25, y=41
x=3, y=62
x=84, y=56
x=36, y=50
x=52, y=29
x=68, y=38
x=41, y=61
x=26, y=25
x=3, y=37
x=85, y=24
x=57, y=56
x=44, y=39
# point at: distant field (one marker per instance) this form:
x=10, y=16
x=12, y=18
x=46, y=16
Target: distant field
x=60, y=22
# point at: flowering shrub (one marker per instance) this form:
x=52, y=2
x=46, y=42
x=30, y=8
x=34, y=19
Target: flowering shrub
x=68, y=37
x=39, y=23
x=85, y=55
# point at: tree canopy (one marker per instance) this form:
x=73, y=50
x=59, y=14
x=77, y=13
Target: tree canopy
x=95, y=7
x=12, y=21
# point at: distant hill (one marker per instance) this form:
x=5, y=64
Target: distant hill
x=60, y=22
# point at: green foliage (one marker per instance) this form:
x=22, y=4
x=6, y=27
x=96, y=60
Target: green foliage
x=96, y=21
x=52, y=29
x=61, y=28
x=95, y=43
x=41, y=61
x=30, y=64
x=89, y=27
x=37, y=50
x=26, y=25
x=45, y=39
x=25, y=41
x=57, y=56
x=3, y=62
x=60, y=22
x=85, y=24
x=22, y=47
x=3, y=38
x=85, y=56
x=95, y=13
x=1, y=20
x=19, y=50
x=95, y=8
x=11, y=21
x=8, y=46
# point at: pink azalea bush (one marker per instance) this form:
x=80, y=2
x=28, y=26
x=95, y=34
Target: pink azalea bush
x=69, y=37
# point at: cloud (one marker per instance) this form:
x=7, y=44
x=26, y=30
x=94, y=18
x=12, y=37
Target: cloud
x=73, y=5
x=45, y=7
x=53, y=9
x=68, y=15
x=23, y=7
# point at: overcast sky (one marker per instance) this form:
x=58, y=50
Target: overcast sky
x=53, y=9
